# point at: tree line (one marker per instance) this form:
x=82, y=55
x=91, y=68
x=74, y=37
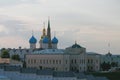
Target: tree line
x=5, y=54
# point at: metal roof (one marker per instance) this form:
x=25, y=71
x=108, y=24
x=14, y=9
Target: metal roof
x=63, y=74
x=28, y=70
x=45, y=72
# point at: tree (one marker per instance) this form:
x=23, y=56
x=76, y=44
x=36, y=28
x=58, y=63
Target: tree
x=5, y=54
x=3, y=49
x=114, y=64
x=105, y=66
x=15, y=57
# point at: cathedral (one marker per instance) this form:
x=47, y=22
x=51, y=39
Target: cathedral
x=45, y=40
x=48, y=56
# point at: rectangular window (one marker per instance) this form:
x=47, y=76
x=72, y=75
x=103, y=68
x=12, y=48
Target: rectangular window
x=31, y=61
x=50, y=61
x=88, y=61
x=66, y=69
x=80, y=68
x=72, y=61
x=47, y=61
x=28, y=61
x=40, y=61
x=84, y=68
x=91, y=61
x=34, y=61
x=66, y=61
x=83, y=61
x=75, y=61
x=56, y=61
x=56, y=68
x=97, y=61
x=43, y=61
x=59, y=61
x=53, y=61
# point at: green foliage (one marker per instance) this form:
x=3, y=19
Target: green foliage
x=110, y=75
x=106, y=66
x=16, y=57
x=5, y=53
x=114, y=64
x=3, y=49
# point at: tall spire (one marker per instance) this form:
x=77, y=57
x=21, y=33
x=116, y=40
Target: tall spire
x=48, y=22
x=49, y=34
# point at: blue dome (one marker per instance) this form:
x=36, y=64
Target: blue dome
x=45, y=40
x=54, y=40
x=33, y=40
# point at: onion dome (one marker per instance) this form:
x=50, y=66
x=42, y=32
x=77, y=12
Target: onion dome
x=76, y=46
x=33, y=40
x=45, y=40
x=54, y=40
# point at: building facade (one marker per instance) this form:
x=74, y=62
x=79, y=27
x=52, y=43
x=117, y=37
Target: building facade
x=93, y=61
x=70, y=59
x=111, y=59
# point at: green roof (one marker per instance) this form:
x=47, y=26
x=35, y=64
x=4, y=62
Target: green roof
x=76, y=46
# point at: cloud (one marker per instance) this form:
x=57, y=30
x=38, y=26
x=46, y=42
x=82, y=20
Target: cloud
x=92, y=23
x=11, y=26
x=3, y=29
x=7, y=3
x=9, y=41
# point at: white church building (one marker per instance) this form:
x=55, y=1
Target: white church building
x=73, y=58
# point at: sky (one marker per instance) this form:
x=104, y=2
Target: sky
x=92, y=23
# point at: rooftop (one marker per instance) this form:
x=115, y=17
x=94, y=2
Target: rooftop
x=49, y=51
x=92, y=53
x=28, y=70
x=45, y=72
x=63, y=74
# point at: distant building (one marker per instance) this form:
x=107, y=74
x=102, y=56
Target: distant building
x=110, y=58
x=4, y=60
x=20, y=52
x=11, y=62
x=73, y=58
x=70, y=59
x=93, y=61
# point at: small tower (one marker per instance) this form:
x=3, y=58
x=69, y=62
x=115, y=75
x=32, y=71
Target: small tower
x=109, y=52
x=45, y=42
x=54, y=43
x=32, y=42
x=43, y=35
